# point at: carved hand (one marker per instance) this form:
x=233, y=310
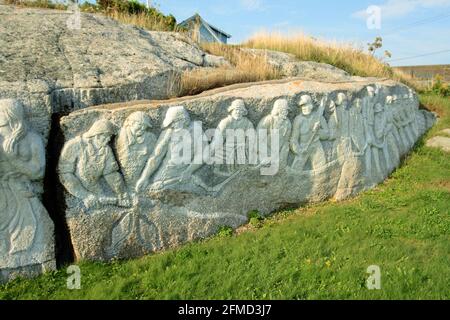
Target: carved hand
x=141, y=185
x=124, y=200
x=90, y=201
x=107, y=201
x=157, y=186
x=316, y=127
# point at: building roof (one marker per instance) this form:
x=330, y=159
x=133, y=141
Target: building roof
x=207, y=25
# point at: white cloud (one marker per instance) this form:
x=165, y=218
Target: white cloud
x=251, y=5
x=400, y=8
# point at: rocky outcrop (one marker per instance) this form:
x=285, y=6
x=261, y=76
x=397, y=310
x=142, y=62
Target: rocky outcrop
x=144, y=177
x=289, y=66
x=131, y=178
x=52, y=67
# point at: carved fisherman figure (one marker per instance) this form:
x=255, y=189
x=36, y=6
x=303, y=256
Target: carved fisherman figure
x=392, y=137
x=339, y=126
x=277, y=120
x=410, y=114
x=26, y=231
x=399, y=122
x=166, y=167
x=86, y=161
x=134, y=147
x=380, y=142
x=354, y=145
x=308, y=129
x=232, y=144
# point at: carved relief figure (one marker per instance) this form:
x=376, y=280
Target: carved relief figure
x=25, y=228
x=381, y=132
x=372, y=153
x=393, y=139
x=351, y=144
x=134, y=147
x=278, y=120
x=308, y=129
x=391, y=115
x=236, y=153
x=357, y=129
x=410, y=113
x=86, y=162
x=401, y=122
x=339, y=125
x=164, y=169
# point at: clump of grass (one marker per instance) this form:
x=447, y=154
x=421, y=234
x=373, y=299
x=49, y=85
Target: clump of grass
x=344, y=56
x=255, y=219
x=127, y=12
x=248, y=67
x=45, y=4
x=135, y=13
x=143, y=20
x=225, y=232
x=244, y=67
x=439, y=87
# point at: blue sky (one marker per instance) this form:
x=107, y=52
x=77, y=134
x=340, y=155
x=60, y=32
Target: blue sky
x=409, y=27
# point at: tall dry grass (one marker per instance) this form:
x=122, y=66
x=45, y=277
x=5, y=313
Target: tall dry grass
x=247, y=67
x=347, y=57
x=142, y=20
x=343, y=56
x=244, y=67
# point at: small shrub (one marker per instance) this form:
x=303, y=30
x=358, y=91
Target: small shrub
x=135, y=13
x=255, y=219
x=45, y=4
x=225, y=232
x=438, y=87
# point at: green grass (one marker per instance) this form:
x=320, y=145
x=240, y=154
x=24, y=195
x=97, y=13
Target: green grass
x=317, y=252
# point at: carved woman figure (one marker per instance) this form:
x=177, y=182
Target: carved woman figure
x=26, y=231
x=134, y=146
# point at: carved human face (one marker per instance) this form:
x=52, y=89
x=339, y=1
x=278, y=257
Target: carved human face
x=238, y=113
x=180, y=123
x=358, y=105
x=137, y=128
x=307, y=109
x=283, y=113
x=371, y=92
x=341, y=100
x=102, y=140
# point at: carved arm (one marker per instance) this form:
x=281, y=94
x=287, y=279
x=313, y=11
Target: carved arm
x=295, y=146
x=155, y=160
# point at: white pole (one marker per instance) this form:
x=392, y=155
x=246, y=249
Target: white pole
x=149, y=3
